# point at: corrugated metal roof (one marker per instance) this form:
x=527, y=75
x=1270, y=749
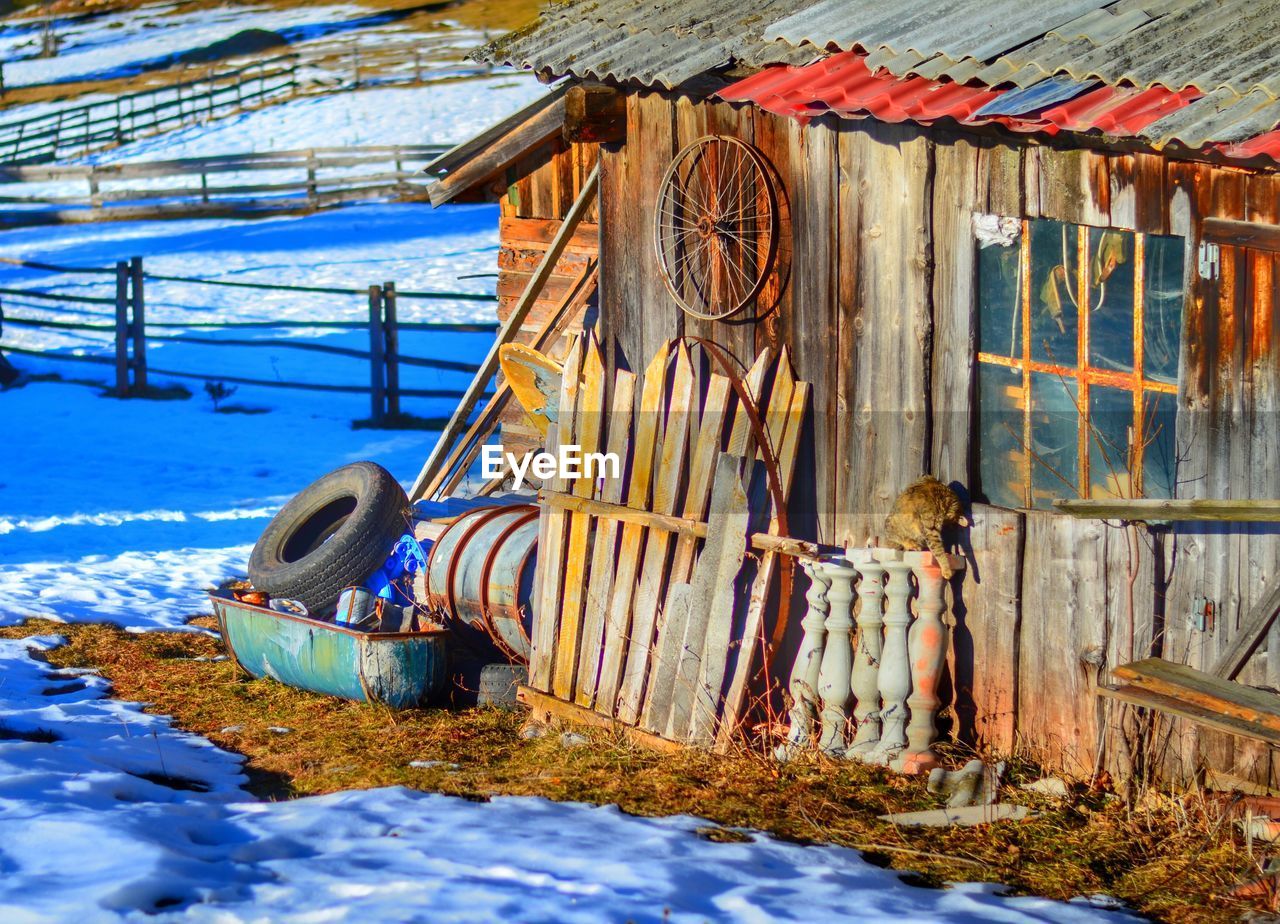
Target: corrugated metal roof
x=955, y=29
x=1206, y=44
x=1037, y=96
x=1226, y=51
x=666, y=43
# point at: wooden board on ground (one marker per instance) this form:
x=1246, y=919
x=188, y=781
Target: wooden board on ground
x=1202, y=690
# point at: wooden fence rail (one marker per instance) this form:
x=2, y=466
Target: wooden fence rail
x=214, y=94
x=293, y=181
x=131, y=333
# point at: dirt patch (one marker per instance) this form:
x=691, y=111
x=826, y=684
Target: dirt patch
x=1173, y=857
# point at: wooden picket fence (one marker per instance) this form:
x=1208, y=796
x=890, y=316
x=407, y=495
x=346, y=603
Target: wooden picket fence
x=650, y=614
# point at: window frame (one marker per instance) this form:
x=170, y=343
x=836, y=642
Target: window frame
x=1081, y=373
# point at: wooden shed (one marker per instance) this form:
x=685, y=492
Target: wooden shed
x=1029, y=252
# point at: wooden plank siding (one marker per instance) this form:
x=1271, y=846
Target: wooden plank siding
x=874, y=299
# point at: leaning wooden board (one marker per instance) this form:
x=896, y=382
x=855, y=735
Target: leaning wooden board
x=643, y=617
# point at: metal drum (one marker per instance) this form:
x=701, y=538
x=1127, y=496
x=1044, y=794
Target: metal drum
x=480, y=574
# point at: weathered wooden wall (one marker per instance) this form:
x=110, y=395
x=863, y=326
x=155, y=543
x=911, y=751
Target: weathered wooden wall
x=876, y=304
x=539, y=191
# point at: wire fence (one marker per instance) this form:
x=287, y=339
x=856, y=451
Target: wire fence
x=124, y=319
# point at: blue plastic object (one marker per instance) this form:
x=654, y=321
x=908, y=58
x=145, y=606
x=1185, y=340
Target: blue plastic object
x=394, y=580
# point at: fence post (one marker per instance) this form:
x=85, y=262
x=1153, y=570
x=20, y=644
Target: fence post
x=311, y=178
x=377, y=365
x=417, y=64
x=139, y=328
x=122, y=328
x=391, y=334
x=355, y=65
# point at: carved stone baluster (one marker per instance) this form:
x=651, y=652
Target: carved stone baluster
x=837, y=658
x=866, y=657
x=805, y=671
x=928, y=645
x=895, y=666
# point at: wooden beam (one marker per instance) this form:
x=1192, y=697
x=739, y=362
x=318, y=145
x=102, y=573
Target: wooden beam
x=477, y=161
x=465, y=450
x=1220, y=696
x=1253, y=628
x=506, y=334
x=1153, y=509
x=695, y=529
x=1241, y=234
x=550, y=708
x=1149, y=699
x=594, y=114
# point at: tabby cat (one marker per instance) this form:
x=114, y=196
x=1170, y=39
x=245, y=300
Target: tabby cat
x=919, y=516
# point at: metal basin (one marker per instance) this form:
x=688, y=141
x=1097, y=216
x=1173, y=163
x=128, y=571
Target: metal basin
x=398, y=669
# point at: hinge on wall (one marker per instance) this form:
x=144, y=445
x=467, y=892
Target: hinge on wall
x=1201, y=616
x=1208, y=260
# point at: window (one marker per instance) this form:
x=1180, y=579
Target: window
x=1079, y=332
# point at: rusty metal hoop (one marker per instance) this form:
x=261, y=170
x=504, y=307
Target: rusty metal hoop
x=715, y=226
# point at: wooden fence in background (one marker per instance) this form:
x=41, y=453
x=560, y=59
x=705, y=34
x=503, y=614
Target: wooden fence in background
x=123, y=314
x=321, y=177
x=214, y=94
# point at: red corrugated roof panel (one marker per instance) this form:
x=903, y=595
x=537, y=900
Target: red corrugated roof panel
x=1265, y=145
x=842, y=84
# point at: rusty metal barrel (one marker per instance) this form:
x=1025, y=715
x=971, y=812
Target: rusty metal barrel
x=480, y=575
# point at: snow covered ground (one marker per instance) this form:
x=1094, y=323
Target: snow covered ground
x=444, y=113
x=106, y=529
x=126, y=510
x=107, y=813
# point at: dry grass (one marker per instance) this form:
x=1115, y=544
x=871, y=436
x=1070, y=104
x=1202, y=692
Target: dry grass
x=1173, y=858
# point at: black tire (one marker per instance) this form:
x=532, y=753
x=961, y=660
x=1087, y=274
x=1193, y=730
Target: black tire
x=334, y=534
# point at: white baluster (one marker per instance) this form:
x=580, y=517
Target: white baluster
x=837, y=658
x=928, y=642
x=865, y=680
x=895, y=668
x=805, y=671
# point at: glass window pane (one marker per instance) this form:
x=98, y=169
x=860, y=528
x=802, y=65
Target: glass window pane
x=1159, y=455
x=1054, y=261
x=1162, y=307
x=1111, y=299
x=1055, y=422
x=999, y=286
x=1110, y=420
x=1000, y=417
